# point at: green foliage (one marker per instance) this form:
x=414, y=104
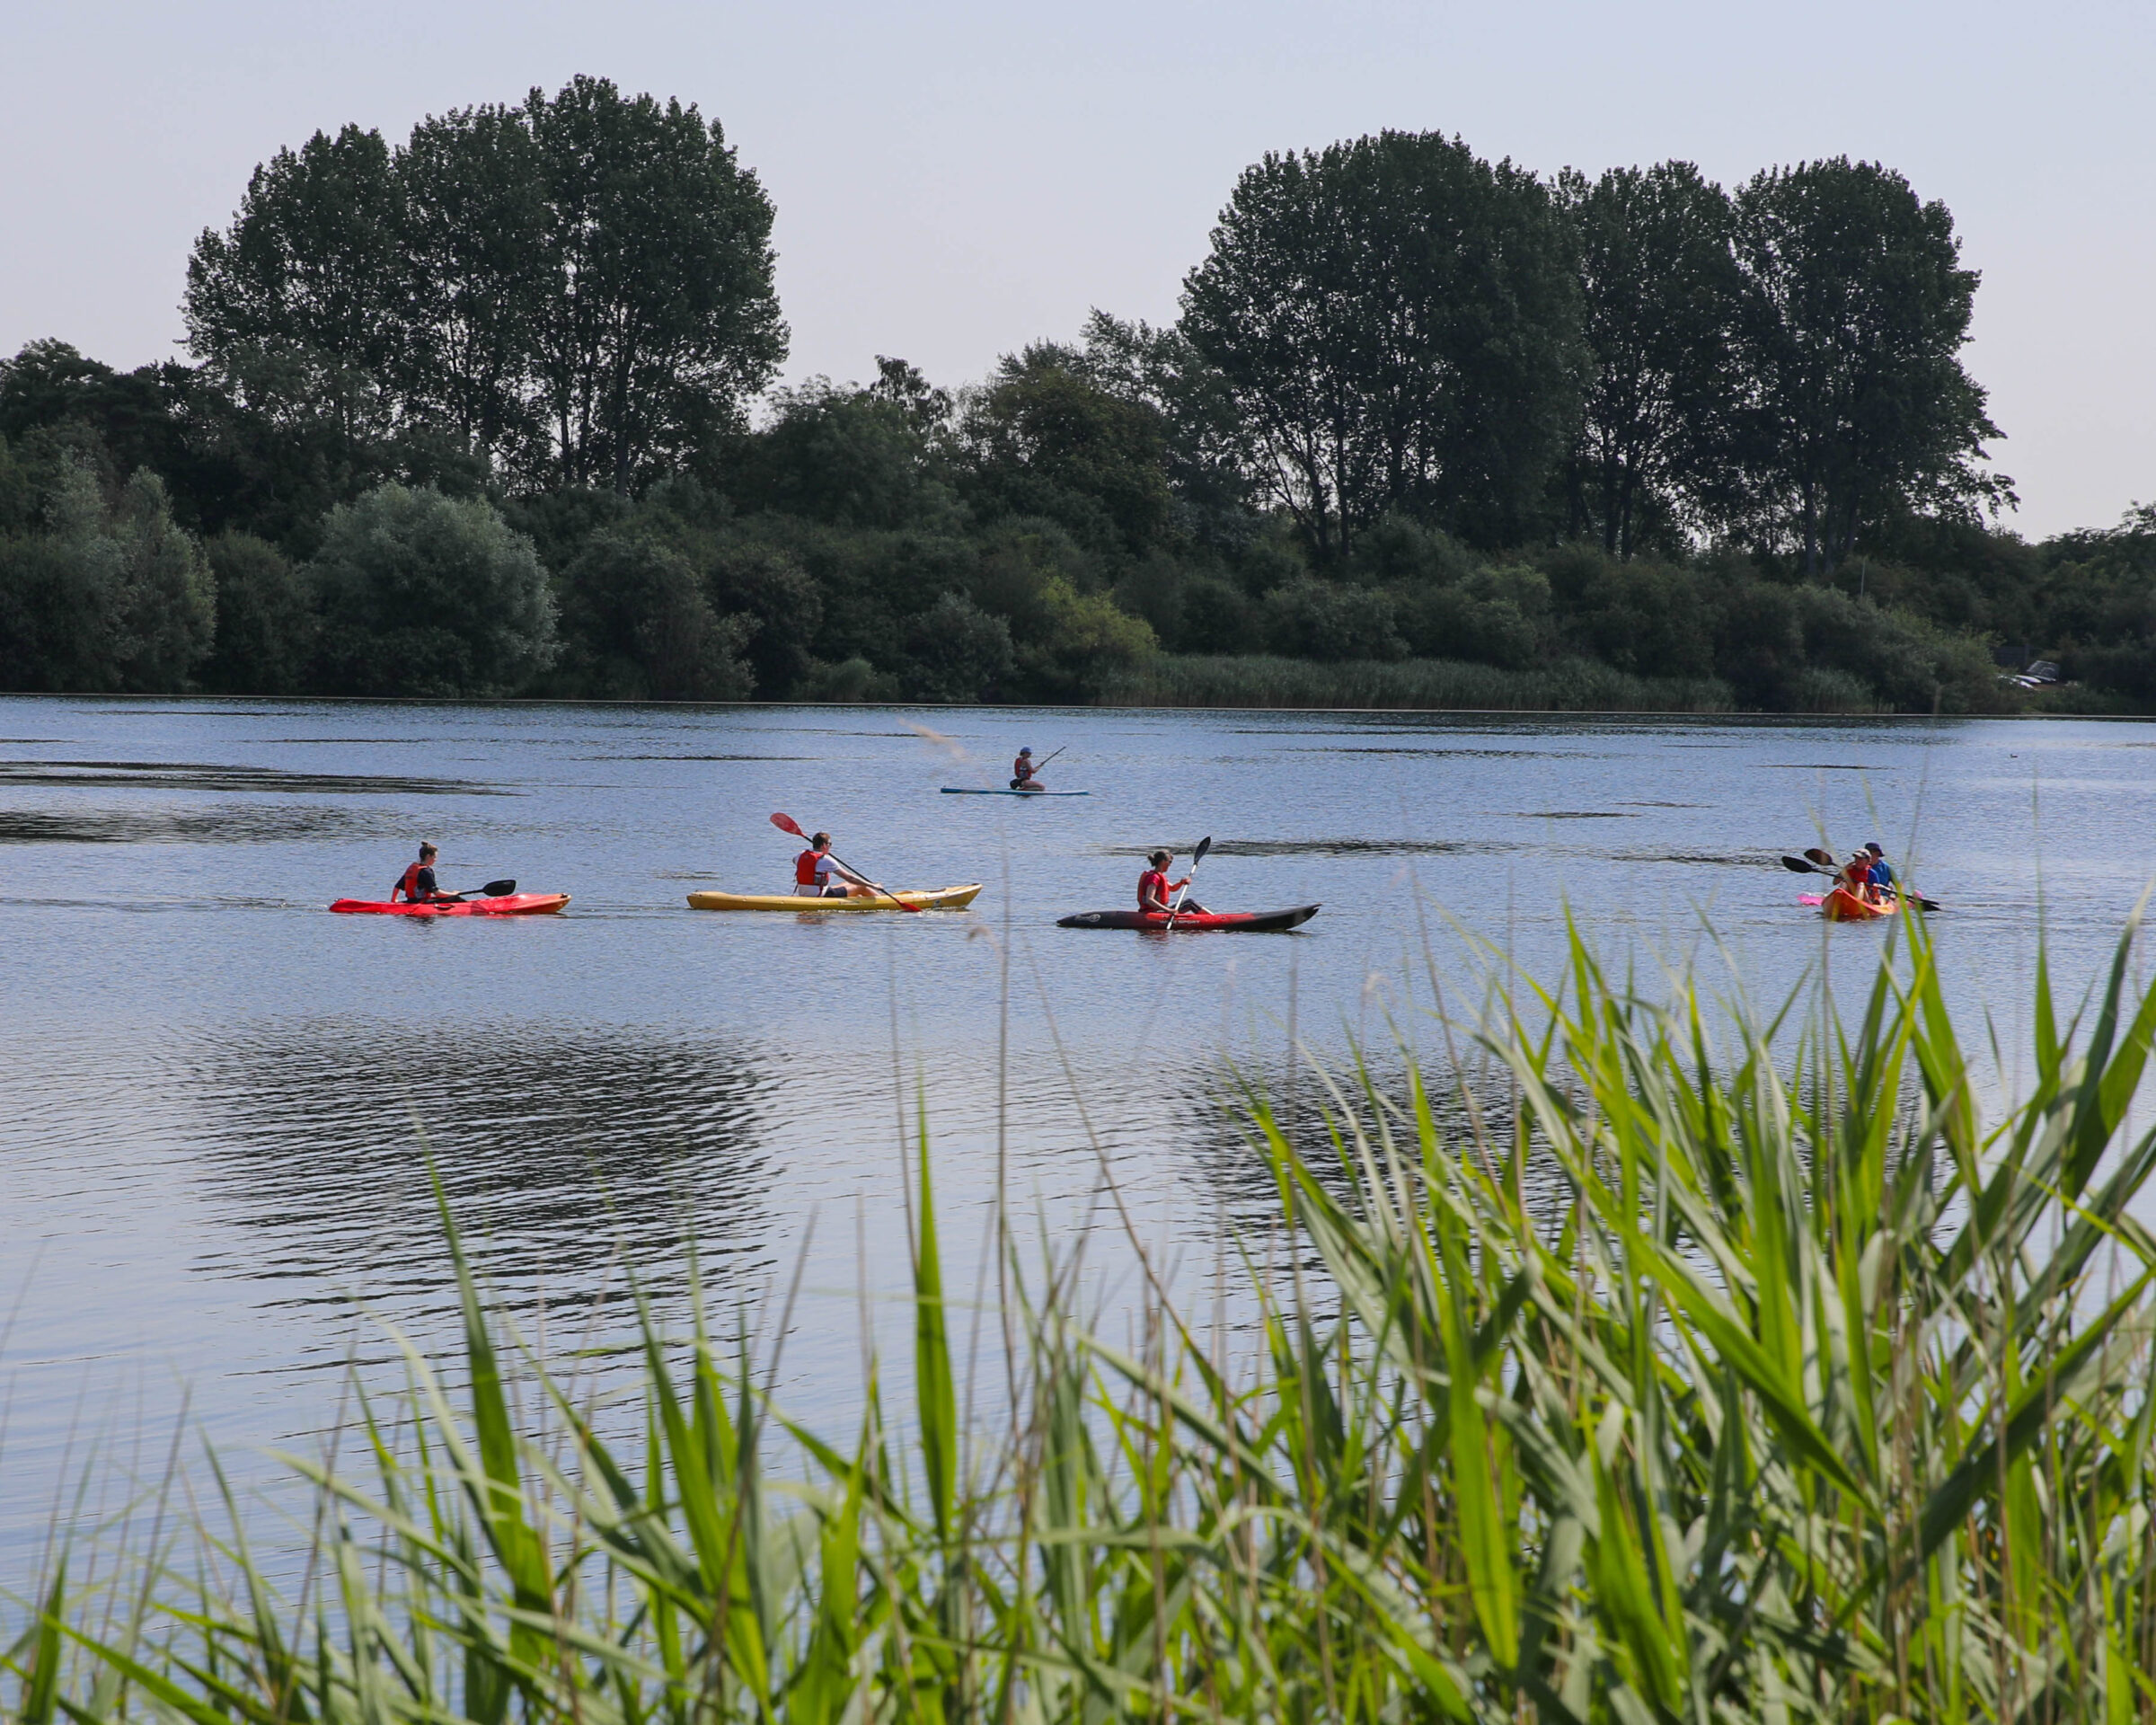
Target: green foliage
x=957, y=652
x=428, y=596
x=1043, y=439
x=640, y=626
x=1255, y=680
x=577, y=290
x=1661, y=292
x=1787, y=1380
x=1397, y=325
x=1854, y=310
x=267, y=626
x=111, y=596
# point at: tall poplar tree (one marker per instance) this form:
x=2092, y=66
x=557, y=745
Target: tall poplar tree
x=1397, y=322
x=1853, y=403
x=1660, y=291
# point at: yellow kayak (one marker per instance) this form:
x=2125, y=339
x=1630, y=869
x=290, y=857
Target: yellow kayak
x=930, y=899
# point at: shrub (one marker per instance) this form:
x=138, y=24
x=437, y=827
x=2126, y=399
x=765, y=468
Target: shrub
x=266, y=620
x=956, y=651
x=428, y=596
x=640, y=626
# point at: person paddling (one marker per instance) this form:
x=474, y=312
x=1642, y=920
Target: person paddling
x=1021, y=772
x=416, y=884
x=1157, y=891
x=1855, y=878
x=817, y=874
x=1881, y=874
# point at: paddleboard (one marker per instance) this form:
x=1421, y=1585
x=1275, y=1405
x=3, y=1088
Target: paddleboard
x=968, y=791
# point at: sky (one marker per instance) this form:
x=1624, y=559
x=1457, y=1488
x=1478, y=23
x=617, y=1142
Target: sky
x=954, y=179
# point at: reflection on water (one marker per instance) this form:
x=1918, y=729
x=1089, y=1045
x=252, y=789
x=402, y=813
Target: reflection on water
x=230, y=822
x=197, y=775
x=558, y=1152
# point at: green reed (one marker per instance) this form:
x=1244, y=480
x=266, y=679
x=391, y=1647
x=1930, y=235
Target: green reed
x=1429, y=685
x=1779, y=1384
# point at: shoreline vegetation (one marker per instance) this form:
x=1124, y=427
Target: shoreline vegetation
x=1776, y=1384
x=492, y=411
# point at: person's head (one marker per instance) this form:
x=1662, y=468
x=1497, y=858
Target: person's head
x=1161, y=859
x=427, y=852
x=1025, y=754
x=821, y=841
x=1873, y=848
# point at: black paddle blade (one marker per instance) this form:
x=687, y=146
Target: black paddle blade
x=1798, y=866
x=1198, y=855
x=1825, y=858
x=495, y=889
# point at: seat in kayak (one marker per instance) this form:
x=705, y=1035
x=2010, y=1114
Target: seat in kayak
x=1250, y=921
x=517, y=904
x=920, y=898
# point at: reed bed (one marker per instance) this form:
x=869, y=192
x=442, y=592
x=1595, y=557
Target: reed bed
x=1762, y=1385
x=1429, y=685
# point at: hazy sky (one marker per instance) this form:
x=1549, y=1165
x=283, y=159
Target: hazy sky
x=952, y=180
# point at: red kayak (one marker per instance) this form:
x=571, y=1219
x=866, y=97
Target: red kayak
x=1253, y=922
x=517, y=904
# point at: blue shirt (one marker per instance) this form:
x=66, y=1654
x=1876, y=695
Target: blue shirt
x=1882, y=875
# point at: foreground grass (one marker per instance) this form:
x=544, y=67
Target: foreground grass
x=1713, y=1389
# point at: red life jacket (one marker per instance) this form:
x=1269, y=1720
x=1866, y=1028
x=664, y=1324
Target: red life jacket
x=1021, y=769
x=1157, y=879
x=804, y=868
x=409, y=885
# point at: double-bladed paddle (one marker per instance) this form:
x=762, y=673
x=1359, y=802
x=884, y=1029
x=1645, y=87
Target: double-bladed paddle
x=787, y=824
x=492, y=889
x=1196, y=856
x=1804, y=865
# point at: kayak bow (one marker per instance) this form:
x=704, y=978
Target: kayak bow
x=1250, y=922
x=517, y=904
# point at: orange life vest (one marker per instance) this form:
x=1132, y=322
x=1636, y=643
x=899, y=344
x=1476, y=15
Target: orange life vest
x=804, y=868
x=409, y=885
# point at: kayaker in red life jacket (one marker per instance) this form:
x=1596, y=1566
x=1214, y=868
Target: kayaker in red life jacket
x=1021, y=772
x=1157, y=891
x=817, y=874
x=1856, y=878
x=416, y=884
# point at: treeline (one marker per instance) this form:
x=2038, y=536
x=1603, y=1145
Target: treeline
x=490, y=412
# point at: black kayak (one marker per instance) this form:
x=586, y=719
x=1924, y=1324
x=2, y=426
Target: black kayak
x=1250, y=921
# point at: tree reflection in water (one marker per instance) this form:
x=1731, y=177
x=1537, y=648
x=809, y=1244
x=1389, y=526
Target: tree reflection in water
x=569, y=1157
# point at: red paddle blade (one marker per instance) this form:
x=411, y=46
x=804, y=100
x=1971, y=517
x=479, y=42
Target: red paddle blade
x=785, y=824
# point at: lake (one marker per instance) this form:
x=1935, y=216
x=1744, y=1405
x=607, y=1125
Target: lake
x=219, y=1106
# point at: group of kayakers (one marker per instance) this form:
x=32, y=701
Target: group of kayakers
x=1868, y=875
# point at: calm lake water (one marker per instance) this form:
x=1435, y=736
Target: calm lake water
x=217, y=1103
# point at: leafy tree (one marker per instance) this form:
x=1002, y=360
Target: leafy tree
x=112, y=595
x=1397, y=325
x=1044, y=439
x=1660, y=290
x=641, y=627
x=660, y=316
x=475, y=276
x=850, y=457
x=298, y=309
x=428, y=596
x=265, y=621
x=1854, y=404
x=957, y=652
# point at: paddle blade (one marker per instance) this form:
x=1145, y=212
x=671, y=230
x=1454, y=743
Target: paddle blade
x=1198, y=855
x=496, y=890
x=1825, y=858
x=785, y=824
x=1798, y=866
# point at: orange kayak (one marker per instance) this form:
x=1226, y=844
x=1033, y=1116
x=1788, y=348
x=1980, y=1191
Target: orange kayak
x=1842, y=905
